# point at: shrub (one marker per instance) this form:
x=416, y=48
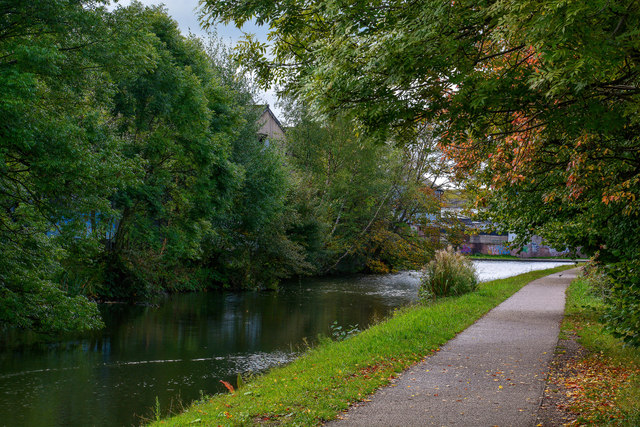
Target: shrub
x=449, y=273
x=622, y=303
x=338, y=333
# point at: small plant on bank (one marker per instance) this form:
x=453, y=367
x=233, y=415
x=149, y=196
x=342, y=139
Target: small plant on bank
x=156, y=410
x=338, y=333
x=447, y=274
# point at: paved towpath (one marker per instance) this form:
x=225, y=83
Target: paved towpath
x=491, y=374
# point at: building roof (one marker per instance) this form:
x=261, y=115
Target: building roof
x=269, y=125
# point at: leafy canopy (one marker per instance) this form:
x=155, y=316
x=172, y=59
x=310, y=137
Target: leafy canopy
x=537, y=100
x=58, y=158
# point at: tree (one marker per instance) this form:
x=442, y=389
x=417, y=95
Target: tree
x=358, y=199
x=113, y=156
x=175, y=119
x=555, y=133
x=541, y=99
x=58, y=159
x=249, y=246
x=537, y=100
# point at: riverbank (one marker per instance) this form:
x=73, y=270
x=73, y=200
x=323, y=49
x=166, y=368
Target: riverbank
x=484, y=257
x=329, y=377
x=594, y=380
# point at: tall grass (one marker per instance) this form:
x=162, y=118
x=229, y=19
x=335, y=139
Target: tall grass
x=447, y=274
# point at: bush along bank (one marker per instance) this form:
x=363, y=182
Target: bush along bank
x=448, y=274
x=334, y=374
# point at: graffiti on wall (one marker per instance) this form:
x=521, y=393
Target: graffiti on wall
x=465, y=249
x=553, y=252
x=490, y=245
x=498, y=250
x=535, y=249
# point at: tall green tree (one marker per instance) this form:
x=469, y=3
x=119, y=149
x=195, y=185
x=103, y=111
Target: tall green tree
x=175, y=121
x=358, y=199
x=59, y=160
x=541, y=98
x=250, y=246
x=538, y=100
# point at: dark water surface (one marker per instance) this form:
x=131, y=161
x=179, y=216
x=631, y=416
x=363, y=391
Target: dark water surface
x=184, y=347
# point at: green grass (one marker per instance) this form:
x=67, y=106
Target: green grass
x=326, y=379
x=582, y=318
x=485, y=256
x=583, y=313
x=511, y=257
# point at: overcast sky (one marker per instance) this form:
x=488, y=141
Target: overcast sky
x=185, y=13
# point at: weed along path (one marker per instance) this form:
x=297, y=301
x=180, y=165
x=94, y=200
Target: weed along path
x=491, y=374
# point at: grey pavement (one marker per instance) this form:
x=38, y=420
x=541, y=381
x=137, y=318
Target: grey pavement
x=491, y=374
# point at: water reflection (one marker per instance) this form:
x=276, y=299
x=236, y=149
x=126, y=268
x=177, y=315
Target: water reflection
x=184, y=346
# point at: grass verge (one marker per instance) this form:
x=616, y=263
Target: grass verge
x=485, y=256
x=328, y=378
x=514, y=258
x=603, y=388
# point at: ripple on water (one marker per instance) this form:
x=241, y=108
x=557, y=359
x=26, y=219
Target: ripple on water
x=162, y=352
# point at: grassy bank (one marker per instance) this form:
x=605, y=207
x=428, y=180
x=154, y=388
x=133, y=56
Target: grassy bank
x=602, y=388
x=485, y=256
x=514, y=258
x=327, y=378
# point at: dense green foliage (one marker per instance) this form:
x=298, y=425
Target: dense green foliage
x=328, y=378
x=621, y=296
x=537, y=101
x=171, y=118
x=58, y=159
x=357, y=200
x=448, y=274
x=130, y=165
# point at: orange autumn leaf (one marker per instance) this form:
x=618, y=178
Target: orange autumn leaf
x=228, y=386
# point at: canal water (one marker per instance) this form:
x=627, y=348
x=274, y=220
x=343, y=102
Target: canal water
x=181, y=349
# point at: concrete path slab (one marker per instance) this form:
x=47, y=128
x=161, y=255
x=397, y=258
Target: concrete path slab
x=491, y=374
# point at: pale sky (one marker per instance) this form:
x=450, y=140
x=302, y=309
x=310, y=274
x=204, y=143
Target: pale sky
x=185, y=13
